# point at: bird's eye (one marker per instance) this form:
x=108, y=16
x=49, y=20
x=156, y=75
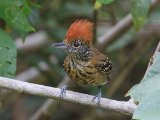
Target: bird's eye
x=76, y=44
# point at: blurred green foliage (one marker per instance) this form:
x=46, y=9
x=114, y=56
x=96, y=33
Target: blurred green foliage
x=98, y=3
x=105, y=1
x=14, y=12
x=139, y=11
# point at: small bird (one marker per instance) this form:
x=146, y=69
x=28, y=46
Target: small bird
x=84, y=64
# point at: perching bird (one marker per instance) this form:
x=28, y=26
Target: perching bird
x=85, y=65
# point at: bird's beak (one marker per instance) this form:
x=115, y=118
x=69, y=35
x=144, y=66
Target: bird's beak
x=60, y=45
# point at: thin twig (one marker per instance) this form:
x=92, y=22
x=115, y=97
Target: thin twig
x=74, y=97
x=95, y=13
x=115, y=32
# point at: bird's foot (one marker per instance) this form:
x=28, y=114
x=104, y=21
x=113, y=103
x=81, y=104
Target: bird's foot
x=98, y=97
x=63, y=91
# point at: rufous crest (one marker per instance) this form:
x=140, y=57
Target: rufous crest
x=80, y=29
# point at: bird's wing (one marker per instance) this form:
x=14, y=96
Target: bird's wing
x=102, y=63
x=104, y=66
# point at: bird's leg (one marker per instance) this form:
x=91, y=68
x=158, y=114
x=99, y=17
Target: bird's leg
x=64, y=88
x=63, y=91
x=98, y=96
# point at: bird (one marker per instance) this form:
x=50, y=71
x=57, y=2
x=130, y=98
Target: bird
x=84, y=64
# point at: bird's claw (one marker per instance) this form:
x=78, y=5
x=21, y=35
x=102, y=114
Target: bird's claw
x=63, y=91
x=98, y=97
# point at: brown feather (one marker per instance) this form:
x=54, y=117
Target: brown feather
x=80, y=29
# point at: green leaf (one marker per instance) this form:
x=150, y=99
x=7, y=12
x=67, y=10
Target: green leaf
x=26, y=9
x=149, y=108
x=8, y=55
x=14, y=13
x=105, y=1
x=97, y=5
x=139, y=11
x=150, y=82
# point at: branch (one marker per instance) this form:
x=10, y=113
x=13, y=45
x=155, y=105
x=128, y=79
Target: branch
x=74, y=97
x=6, y=97
x=115, y=32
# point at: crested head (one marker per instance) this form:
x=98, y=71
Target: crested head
x=80, y=30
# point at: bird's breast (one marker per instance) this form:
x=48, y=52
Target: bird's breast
x=83, y=73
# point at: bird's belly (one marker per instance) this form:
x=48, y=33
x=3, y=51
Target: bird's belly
x=89, y=81
x=85, y=76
